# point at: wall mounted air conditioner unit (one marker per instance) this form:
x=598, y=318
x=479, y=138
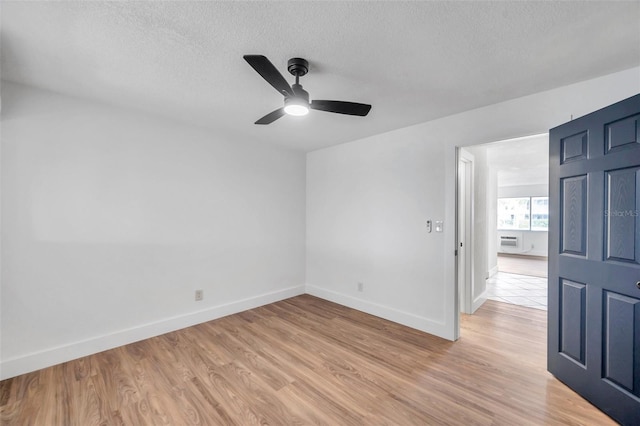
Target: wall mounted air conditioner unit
x=506, y=241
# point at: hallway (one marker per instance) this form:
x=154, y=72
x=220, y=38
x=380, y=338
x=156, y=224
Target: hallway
x=520, y=280
x=523, y=290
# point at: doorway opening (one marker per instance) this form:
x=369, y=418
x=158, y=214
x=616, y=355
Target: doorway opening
x=502, y=223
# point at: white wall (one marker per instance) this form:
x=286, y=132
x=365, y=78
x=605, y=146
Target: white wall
x=367, y=203
x=111, y=220
x=539, y=190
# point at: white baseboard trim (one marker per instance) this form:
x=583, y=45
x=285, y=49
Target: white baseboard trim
x=492, y=271
x=410, y=320
x=478, y=301
x=46, y=358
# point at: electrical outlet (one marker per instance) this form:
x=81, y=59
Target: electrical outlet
x=360, y=286
x=199, y=295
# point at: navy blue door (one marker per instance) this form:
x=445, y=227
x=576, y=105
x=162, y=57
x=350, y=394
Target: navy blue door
x=594, y=258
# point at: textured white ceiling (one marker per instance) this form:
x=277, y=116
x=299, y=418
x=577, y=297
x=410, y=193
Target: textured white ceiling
x=413, y=61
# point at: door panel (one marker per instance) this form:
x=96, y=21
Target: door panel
x=622, y=134
x=622, y=222
x=574, y=147
x=621, y=355
x=574, y=214
x=594, y=258
x=572, y=325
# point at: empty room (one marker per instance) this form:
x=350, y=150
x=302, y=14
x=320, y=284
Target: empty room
x=253, y=212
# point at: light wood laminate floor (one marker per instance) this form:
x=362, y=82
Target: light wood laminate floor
x=309, y=361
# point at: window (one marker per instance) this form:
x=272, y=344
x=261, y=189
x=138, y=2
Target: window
x=539, y=213
x=514, y=213
x=523, y=213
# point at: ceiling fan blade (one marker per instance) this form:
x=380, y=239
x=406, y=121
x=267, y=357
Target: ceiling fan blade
x=349, y=108
x=272, y=116
x=265, y=68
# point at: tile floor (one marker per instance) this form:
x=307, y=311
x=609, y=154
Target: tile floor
x=517, y=289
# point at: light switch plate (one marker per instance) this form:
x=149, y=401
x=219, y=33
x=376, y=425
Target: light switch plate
x=439, y=225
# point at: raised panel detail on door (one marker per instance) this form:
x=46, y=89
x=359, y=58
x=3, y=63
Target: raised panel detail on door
x=572, y=319
x=574, y=148
x=622, y=134
x=622, y=214
x=622, y=341
x=573, y=211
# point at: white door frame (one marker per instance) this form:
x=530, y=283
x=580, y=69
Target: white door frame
x=465, y=229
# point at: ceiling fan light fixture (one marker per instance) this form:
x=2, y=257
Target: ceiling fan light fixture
x=296, y=106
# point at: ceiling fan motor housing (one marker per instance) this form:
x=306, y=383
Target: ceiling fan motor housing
x=298, y=66
x=299, y=92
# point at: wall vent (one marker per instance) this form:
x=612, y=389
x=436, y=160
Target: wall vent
x=506, y=241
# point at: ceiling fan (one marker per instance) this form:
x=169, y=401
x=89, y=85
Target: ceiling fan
x=296, y=99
